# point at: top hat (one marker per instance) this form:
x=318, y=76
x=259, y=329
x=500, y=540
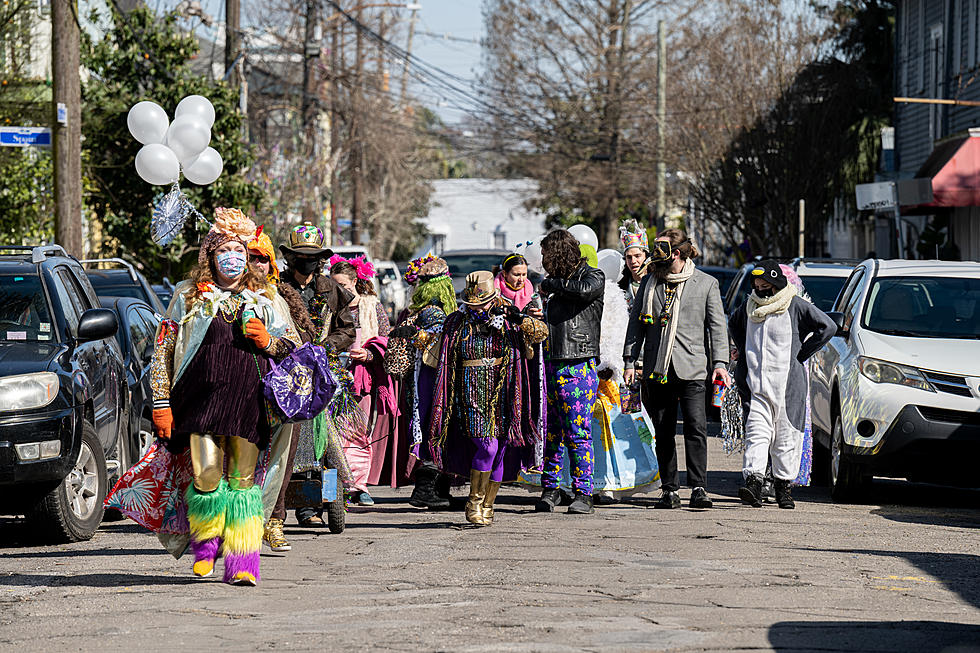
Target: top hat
x=480, y=288
x=770, y=272
x=306, y=239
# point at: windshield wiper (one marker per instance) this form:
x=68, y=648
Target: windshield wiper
x=902, y=332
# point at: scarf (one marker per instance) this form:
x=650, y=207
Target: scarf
x=759, y=308
x=519, y=298
x=667, y=339
x=367, y=317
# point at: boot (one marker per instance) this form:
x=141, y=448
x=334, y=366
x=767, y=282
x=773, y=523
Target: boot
x=488, y=502
x=751, y=492
x=206, y=517
x=425, y=495
x=479, y=481
x=581, y=505
x=443, y=487
x=784, y=496
x=243, y=536
x=549, y=499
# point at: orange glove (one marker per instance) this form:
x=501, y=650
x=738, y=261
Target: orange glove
x=163, y=422
x=257, y=333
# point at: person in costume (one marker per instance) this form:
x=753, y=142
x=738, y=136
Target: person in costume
x=372, y=384
x=262, y=256
x=482, y=425
x=775, y=332
x=676, y=312
x=573, y=312
x=514, y=286
x=212, y=351
x=412, y=349
x=327, y=304
x=636, y=254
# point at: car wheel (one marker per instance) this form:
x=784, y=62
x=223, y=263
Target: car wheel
x=72, y=511
x=144, y=440
x=849, y=482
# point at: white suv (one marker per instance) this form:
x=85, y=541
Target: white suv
x=897, y=391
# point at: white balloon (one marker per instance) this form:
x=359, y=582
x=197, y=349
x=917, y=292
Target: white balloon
x=157, y=164
x=205, y=169
x=584, y=235
x=611, y=263
x=533, y=255
x=198, y=106
x=188, y=136
x=147, y=122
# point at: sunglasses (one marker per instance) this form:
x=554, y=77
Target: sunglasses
x=258, y=258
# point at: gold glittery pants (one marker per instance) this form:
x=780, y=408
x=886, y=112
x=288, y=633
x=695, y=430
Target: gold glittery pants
x=208, y=454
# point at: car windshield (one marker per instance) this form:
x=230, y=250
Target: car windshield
x=463, y=264
x=924, y=307
x=23, y=308
x=387, y=273
x=823, y=290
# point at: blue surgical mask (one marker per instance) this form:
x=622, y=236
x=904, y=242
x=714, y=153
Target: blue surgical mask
x=231, y=264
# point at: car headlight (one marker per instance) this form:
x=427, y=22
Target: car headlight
x=25, y=391
x=880, y=371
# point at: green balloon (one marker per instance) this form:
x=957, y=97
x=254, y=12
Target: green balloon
x=588, y=251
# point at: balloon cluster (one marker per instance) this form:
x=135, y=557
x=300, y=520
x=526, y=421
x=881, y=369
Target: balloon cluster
x=610, y=261
x=170, y=148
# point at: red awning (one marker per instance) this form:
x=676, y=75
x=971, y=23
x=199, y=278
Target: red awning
x=954, y=167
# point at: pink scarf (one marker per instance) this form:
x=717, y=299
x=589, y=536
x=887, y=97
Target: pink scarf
x=519, y=298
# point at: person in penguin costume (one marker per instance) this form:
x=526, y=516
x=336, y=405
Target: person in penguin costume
x=775, y=332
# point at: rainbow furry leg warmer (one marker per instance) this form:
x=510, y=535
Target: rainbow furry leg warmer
x=206, y=516
x=243, y=535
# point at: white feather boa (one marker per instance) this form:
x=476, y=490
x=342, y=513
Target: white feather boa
x=615, y=318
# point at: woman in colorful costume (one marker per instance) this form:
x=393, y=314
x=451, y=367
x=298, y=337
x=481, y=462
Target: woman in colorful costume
x=482, y=423
x=412, y=356
x=372, y=385
x=216, y=342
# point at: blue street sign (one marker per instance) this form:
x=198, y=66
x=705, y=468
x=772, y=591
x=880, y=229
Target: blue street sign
x=25, y=136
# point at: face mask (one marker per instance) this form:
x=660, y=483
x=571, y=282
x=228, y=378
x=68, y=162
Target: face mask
x=305, y=266
x=661, y=252
x=768, y=292
x=231, y=264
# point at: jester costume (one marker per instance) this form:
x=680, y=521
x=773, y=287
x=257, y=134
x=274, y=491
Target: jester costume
x=482, y=424
x=206, y=379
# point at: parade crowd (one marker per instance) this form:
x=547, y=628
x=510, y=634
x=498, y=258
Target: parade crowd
x=570, y=389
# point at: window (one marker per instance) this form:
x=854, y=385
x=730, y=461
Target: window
x=925, y=307
x=68, y=298
x=141, y=334
x=845, y=293
x=23, y=308
x=438, y=244
x=499, y=240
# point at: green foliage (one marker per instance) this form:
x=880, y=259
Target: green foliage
x=146, y=57
x=26, y=196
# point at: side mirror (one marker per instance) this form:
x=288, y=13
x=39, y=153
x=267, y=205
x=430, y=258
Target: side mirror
x=838, y=319
x=97, y=324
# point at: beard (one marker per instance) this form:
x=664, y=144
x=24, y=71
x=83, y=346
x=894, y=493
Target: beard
x=661, y=268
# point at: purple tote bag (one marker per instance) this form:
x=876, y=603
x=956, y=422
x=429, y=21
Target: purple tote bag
x=301, y=385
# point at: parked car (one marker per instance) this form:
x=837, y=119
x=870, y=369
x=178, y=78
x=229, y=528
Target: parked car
x=463, y=261
x=722, y=274
x=62, y=393
x=392, y=289
x=122, y=281
x=822, y=279
x=897, y=391
x=164, y=291
x=137, y=336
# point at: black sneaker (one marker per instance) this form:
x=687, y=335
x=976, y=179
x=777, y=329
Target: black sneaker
x=751, y=492
x=784, y=495
x=699, y=499
x=581, y=505
x=668, y=500
x=548, y=501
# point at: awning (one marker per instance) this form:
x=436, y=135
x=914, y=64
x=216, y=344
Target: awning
x=954, y=167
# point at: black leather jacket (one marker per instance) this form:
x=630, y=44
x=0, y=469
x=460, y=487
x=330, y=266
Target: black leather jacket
x=574, y=313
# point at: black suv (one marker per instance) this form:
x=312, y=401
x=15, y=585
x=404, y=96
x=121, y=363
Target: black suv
x=63, y=394
x=122, y=281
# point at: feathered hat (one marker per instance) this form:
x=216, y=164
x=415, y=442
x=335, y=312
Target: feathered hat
x=364, y=268
x=426, y=268
x=263, y=245
x=229, y=224
x=632, y=234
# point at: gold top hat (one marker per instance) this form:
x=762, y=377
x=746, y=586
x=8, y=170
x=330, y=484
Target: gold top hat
x=306, y=239
x=480, y=288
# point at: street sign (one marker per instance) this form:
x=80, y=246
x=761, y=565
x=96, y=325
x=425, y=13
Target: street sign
x=25, y=136
x=875, y=196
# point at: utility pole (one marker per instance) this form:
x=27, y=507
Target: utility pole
x=233, y=37
x=66, y=126
x=802, y=242
x=408, y=49
x=358, y=152
x=661, y=126
x=335, y=71
x=311, y=55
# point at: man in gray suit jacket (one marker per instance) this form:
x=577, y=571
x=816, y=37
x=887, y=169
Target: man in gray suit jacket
x=678, y=325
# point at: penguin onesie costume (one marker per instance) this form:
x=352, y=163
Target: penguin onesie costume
x=775, y=332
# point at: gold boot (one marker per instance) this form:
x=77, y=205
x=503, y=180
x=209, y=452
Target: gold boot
x=478, y=489
x=488, y=502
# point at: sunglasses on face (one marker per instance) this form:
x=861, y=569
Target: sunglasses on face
x=258, y=258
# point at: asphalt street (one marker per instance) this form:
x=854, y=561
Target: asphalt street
x=902, y=574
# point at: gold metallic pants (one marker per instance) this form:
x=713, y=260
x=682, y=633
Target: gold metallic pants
x=208, y=453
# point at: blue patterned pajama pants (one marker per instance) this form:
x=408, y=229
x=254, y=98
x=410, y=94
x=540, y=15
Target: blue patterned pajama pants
x=572, y=393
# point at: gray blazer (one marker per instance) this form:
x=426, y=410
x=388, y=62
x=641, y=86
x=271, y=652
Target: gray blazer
x=702, y=334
